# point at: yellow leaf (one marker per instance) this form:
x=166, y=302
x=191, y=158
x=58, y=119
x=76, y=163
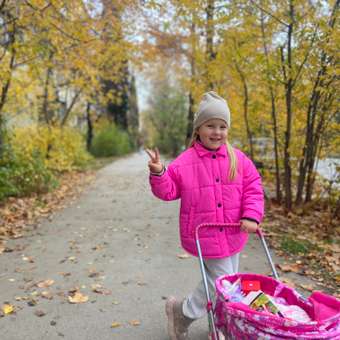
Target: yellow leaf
x=7, y=308
x=289, y=267
x=307, y=287
x=78, y=298
x=115, y=324
x=45, y=284
x=288, y=282
x=134, y=322
x=183, y=256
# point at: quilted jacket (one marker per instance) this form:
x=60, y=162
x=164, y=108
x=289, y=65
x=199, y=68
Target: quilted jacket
x=199, y=177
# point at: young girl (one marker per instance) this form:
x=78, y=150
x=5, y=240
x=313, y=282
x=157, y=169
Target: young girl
x=216, y=184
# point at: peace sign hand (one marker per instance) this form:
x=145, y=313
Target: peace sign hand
x=155, y=164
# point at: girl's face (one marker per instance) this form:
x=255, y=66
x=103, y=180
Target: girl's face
x=213, y=133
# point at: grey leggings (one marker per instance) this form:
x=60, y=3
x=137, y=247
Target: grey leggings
x=194, y=305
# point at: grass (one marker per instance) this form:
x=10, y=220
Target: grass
x=293, y=246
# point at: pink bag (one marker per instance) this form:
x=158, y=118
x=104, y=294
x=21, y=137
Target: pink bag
x=238, y=321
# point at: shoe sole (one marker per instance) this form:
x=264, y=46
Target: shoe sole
x=169, y=310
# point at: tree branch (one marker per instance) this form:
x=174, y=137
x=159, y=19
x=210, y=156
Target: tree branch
x=269, y=13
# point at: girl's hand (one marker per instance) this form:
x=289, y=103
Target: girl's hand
x=154, y=164
x=249, y=226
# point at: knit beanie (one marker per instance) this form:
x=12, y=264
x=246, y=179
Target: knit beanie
x=212, y=106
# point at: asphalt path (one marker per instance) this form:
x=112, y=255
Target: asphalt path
x=118, y=247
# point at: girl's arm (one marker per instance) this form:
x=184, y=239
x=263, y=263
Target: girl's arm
x=253, y=197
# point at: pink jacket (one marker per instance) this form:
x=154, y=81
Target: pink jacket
x=199, y=177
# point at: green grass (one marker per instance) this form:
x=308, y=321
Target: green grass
x=293, y=246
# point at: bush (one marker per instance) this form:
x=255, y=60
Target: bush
x=20, y=176
x=60, y=149
x=110, y=141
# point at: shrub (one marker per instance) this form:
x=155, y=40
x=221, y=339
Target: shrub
x=20, y=176
x=61, y=149
x=110, y=141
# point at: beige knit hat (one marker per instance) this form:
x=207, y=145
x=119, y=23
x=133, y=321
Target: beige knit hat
x=211, y=106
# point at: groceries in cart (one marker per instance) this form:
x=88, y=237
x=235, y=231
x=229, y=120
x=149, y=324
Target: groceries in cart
x=249, y=293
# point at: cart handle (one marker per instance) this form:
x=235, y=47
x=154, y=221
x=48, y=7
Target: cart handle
x=259, y=232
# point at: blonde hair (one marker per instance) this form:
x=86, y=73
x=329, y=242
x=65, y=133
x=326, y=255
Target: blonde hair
x=230, y=150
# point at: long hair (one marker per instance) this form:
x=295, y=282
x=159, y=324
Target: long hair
x=230, y=150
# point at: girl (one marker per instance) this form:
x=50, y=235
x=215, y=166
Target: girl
x=216, y=183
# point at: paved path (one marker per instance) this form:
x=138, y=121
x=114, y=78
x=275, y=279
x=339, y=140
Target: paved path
x=116, y=235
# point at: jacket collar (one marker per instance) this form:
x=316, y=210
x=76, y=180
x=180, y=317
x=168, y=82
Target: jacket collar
x=202, y=151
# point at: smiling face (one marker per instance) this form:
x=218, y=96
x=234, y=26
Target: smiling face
x=213, y=133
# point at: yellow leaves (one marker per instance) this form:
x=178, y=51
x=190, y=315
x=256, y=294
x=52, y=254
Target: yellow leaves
x=7, y=308
x=115, y=324
x=131, y=323
x=97, y=288
x=65, y=147
x=308, y=287
x=77, y=297
x=134, y=322
x=295, y=268
x=45, y=284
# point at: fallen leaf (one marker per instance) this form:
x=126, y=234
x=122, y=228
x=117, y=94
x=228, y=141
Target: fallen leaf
x=307, y=287
x=64, y=274
x=115, y=324
x=183, y=256
x=45, y=284
x=134, y=322
x=78, y=298
x=295, y=268
x=97, y=288
x=39, y=313
x=32, y=302
x=46, y=295
x=28, y=258
x=288, y=282
x=7, y=308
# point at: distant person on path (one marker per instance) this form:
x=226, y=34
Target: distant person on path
x=216, y=184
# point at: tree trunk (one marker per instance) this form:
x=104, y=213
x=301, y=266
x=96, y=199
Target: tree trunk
x=44, y=115
x=89, y=134
x=133, y=116
x=69, y=109
x=210, y=41
x=190, y=119
x=307, y=161
x=245, y=109
x=4, y=90
x=273, y=114
x=287, y=71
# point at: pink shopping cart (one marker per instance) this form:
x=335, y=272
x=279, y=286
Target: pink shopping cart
x=236, y=320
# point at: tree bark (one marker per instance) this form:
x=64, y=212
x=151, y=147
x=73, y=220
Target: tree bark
x=4, y=91
x=308, y=157
x=273, y=114
x=210, y=30
x=89, y=134
x=245, y=108
x=287, y=72
x=193, y=75
x=44, y=116
x=69, y=109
